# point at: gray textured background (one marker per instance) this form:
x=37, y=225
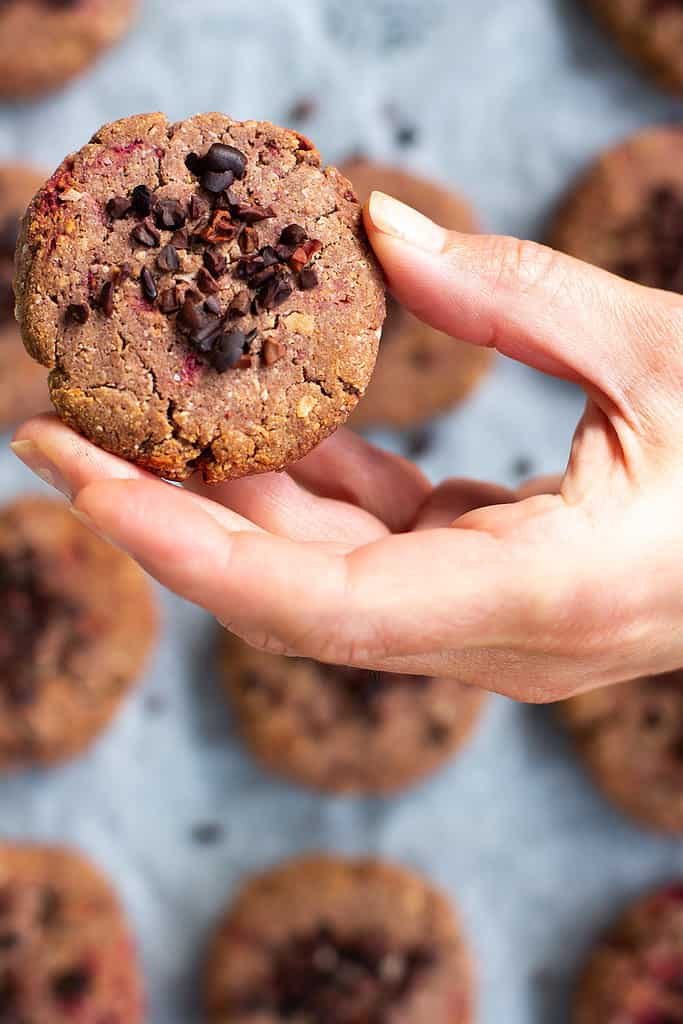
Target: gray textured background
x=508, y=100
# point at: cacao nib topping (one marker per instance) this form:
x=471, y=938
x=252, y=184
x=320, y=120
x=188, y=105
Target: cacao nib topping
x=213, y=306
x=29, y=609
x=220, y=159
x=142, y=200
x=652, y=244
x=181, y=239
x=308, y=279
x=253, y=214
x=215, y=263
x=249, y=240
x=119, y=207
x=229, y=351
x=78, y=312
x=72, y=986
x=293, y=235
x=328, y=978
x=146, y=234
x=205, y=282
x=169, y=215
x=167, y=260
x=106, y=299
x=169, y=301
x=9, y=235
x=217, y=181
x=148, y=285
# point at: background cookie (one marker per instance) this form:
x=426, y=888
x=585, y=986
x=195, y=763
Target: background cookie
x=43, y=43
x=635, y=974
x=626, y=213
x=650, y=31
x=341, y=729
x=631, y=738
x=420, y=371
x=65, y=950
x=217, y=305
x=23, y=384
x=77, y=624
x=328, y=940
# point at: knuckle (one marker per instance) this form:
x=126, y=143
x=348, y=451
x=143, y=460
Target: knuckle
x=523, y=265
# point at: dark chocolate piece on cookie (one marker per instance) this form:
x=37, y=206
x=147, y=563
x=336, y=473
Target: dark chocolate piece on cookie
x=268, y=236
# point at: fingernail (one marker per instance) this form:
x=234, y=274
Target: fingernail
x=393, y=218
x=90, y=524
x=38, y=462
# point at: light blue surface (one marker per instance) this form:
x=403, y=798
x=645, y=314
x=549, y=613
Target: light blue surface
x=510, y=100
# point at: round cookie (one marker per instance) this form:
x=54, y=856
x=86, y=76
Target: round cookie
x=420, y=371
x=23, y=384
x=66, y=953
x=626, y=213
x=635, y=974
x=332, y=941
x=631, y=738
x=44, y=43
x=78, y=621
x=345, y=730
x=650, y=32
x=203, y=293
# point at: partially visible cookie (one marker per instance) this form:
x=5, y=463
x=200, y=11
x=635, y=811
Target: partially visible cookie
x=649, y=31
x=23, y=384
x=332, y=941
x=631, y=738
x=78, y=621
x=626, y=212
x=420, y=372
x=345, y=730
x=44, y=43
x=635, y=974
x=203, y=293
x=66, y=953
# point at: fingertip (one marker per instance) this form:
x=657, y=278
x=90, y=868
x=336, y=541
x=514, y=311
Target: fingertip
x=390, y=218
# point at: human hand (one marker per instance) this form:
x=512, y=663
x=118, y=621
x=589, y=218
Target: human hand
x=351, y=557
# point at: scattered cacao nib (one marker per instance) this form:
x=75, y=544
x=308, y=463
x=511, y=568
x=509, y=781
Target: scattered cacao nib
x=303, y=109
x=406, y=135
x=169, y=214
x=240, y=304
x=249, y=240
x=169, y=301
x=220, y=159
x=207, y=833
x=190, y=316
x=199, y=208
x=205, y=282
x=146, y=234
x=213, y=306
x=71, y=987
x=420, y=441
x=276, y=291
x=308, y=279
x=142, y=200
x=252, y=214
x=78, y=312
x=229, y=351
x=181, y=239
x=119, y=207
x=220, y=229
x=523, y=466
x=148, y=285
x=272, y=351
x=217, y=181
x=215, y=263
x=106, y=299
x=293, y=235
x=167, y=260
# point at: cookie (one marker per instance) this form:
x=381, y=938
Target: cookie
x=44, y=43
x=420, y=372
x=23, y=384
x=626, y=213
x=631, y=738
x=332, y=941
x=650, y=32
x=203, y=294
x=66, y=953
x=77, y=624
x=635, y=974
x=345, y=730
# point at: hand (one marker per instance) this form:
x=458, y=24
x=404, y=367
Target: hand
x=351, y=557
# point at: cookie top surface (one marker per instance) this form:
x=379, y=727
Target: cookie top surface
x=345, y=730
x=331, y=941
x=420, y=371
x=635, y=974
x=44, y=43
x=78, y=622
x=65, y=950
x=203, y=293
x=626, y=213
x=631, y=737
x=23, y=384
x=650, y=31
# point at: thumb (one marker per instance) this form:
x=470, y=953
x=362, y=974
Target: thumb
x=548, y=310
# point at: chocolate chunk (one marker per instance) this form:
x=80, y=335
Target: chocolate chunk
x=308, y=279
x=72, y=986
x=229, y=351
x=142, y=200
x=293, y=235
x=240, y=304
x=119, y=207
x=223, y=158
x=146, y=234
x=167, y=260
x=217, y=181
x=205, y=282
x=169, y=301
x=215, y=263
x=272, y=351
x=78, y=312
x=249, y=240
x=106, y=299
x=148, y=285
x=169, y=214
